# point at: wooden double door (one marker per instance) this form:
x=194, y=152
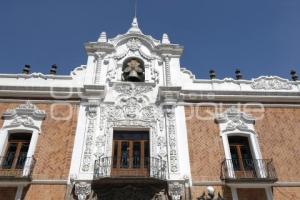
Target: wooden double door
x=131, y=154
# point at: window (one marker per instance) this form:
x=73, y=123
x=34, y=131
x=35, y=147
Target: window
x=16, y=151
x=130, y=153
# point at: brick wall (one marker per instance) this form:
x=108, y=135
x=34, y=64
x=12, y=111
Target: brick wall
x=54, y=148
x=46, y=192
x=251, y=194
x=286, y=193
x=278, y=134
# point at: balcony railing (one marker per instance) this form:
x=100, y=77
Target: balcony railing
x=150, y=168
x=22, y=168
x=248, y=170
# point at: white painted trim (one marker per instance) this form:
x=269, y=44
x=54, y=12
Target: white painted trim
x=78, y=144
x=183, y=148
x=19, y=193
x=234, y=194
x=269, y=193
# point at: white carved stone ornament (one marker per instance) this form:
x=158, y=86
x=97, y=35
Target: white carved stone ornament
x=176, y=190
x=271, y=83
x=25, y=114
x=134, y=44
x=171, y=129
x=82, y=190
x=88, y=152
x=234, y=119
x=132, y=89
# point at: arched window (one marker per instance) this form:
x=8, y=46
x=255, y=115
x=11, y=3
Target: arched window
x=133, y=70
x=16, y=152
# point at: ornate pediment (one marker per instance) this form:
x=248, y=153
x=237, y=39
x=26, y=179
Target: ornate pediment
x=27, y=115
x=271, y=83
x=235, y=120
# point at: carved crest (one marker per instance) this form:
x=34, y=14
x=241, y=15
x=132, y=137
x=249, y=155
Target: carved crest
x=134, y=44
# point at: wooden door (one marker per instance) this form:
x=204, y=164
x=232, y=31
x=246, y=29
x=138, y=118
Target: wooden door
x=130, y=154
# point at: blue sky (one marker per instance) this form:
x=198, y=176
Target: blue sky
x=261, y=37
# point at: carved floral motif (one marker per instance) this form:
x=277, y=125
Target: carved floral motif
x=271, y=83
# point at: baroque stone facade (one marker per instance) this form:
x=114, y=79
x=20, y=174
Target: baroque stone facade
x=134, y=124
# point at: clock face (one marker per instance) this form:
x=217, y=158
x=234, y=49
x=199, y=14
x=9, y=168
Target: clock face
x=133, y=70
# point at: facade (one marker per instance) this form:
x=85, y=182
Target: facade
x=133, y=124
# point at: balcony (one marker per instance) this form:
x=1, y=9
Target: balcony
x=11, y=168
x=248, y=170
x=148, y=168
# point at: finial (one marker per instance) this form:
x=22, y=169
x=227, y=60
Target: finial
x=26, y=69
x=165, y=39
x=53, y=69
x=238, y=74
x=212, y=74
x=103, y=37
x=134, y=26
x=294, y=75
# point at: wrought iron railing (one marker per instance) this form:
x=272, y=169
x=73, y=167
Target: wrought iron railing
x=248, y=170
x=150, y=167
x=16, y=168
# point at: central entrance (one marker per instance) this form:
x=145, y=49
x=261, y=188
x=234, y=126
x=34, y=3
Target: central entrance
x=131, y=154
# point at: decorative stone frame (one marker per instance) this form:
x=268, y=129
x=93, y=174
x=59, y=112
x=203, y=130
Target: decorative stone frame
x=235, y=123
x=26, y=118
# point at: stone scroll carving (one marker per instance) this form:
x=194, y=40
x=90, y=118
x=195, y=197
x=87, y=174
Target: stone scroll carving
x=82, y=190
x=271, y=83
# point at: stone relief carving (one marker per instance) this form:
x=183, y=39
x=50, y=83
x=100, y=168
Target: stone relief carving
x=171, y=129
x=235, y=119
x=87, y=157
x=22, y=120
x=82, y=190
x=133, y=110
x=271, y=83
x=176, y=190
x=25, y=114
x=132, y=90
x=134, y=44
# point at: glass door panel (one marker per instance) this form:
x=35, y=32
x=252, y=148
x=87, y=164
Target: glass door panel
x=22, y=155
x=124, y=155
x=136, y=154
x=10, y=156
